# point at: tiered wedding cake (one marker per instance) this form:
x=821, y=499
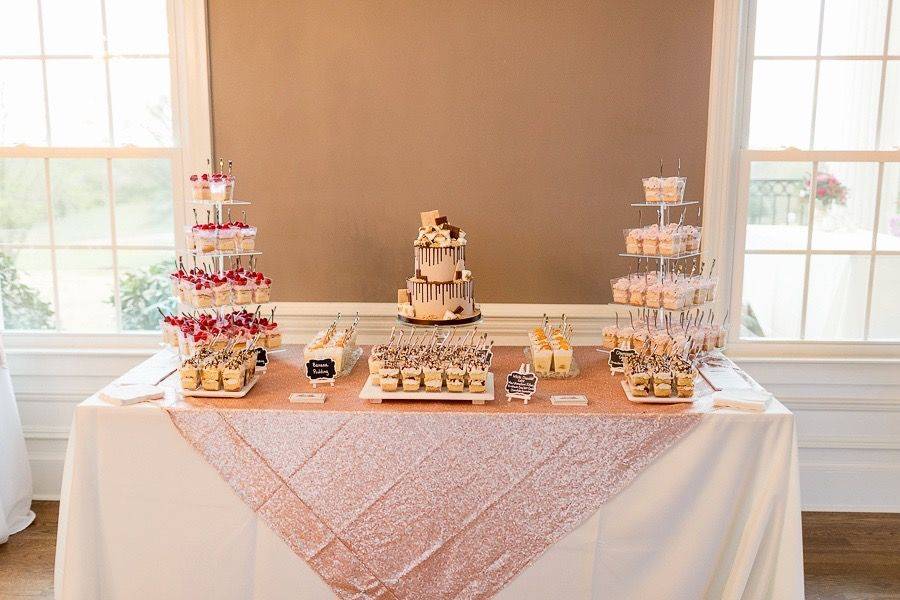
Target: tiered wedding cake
x=441, y=292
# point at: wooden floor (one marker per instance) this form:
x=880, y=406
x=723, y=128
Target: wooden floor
x=847, y=556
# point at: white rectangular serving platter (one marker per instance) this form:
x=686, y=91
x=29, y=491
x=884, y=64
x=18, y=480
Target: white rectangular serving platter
x=374, y=394
x=201, y=393
x=654, y=399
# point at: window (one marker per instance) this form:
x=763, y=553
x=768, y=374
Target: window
x=90, y=164
x=820, y=172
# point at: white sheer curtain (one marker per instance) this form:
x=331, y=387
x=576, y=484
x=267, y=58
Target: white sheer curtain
x=15, y=474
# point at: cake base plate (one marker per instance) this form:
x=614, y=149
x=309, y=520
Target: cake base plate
x=375, y=395
x=441, y=322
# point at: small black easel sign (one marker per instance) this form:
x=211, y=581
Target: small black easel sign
x=320, y=370
x=262, y=357
x=521, y=384
x=617, y=357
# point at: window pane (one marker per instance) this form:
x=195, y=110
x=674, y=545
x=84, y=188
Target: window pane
x=781, y=103
x=786, y=28
x=77, y=94
x=847, y=105
x=854, y=26
x=80, y=196
x=778, y=209
x=883, y=322
x=22, y=118
x=86, y=290
x=144, y=202
x=72, y=27
x=19, y=28
x=141, y=99
x=772, y=296
x=137, y=27
x=23, y=201
x=144, y=287
x=889, y=219
x=836, y=302
x=26, y=284
x=890, y=119
x=845, y=206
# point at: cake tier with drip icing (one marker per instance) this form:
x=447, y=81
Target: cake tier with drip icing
x=433, y=300
x=439, y=264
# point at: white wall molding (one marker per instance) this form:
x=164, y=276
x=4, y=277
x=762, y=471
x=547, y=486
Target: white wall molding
x=848, y=410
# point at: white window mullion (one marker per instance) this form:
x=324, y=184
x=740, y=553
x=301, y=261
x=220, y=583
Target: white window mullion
x=813, y=185
x=117, y=300
x=51, y=232
x=874, y=247
x=879, y=118
x=815, y=98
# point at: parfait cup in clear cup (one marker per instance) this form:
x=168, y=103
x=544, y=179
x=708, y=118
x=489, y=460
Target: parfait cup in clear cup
x=619, y=286
x=222, y=293
x=229, y=188
x=247, y=237
x=692, y=239
x=673, y=189
x=226, y=238
x=205, y=240
x=217, y=185
x=673, y=296
x=634, y=238
x=189, y=242
x=653, y=190
x=709, y=288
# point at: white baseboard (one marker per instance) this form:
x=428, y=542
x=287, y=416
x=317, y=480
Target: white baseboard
x=848, y=412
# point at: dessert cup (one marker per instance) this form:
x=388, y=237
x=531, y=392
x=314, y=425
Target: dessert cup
x=673, y=189
x=610, y=339
x=653, y=192
x=204, y=240
x=411, y=379
x=389, y=379
x=620, y=289
x=633, y=240
x=210, y=378
x=542, y=359
x=636, y=292
x=562, y=359
x=190, y=376
x=242, y=291
x=202, y=296
x=217, y=185
x=262, y=291
x=226, y=238
x=247, y=237
x=654, y=295
x=222, y=294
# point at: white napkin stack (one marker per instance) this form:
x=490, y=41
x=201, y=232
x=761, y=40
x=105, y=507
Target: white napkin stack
x=125, y=394
x=751, y=400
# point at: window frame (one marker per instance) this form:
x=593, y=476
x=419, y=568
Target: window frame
x=726, y=188
x=192, y=144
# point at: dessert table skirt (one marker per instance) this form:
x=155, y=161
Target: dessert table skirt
x=144, y=515
x=15, y=473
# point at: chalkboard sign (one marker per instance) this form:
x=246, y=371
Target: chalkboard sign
x=262, y=357
x=320, y=371
x=616, y=358
x=520, y=384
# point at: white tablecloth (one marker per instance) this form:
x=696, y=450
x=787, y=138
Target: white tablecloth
x=15, y=473
x=144, y=516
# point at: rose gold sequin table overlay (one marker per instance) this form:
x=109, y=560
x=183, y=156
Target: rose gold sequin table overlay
x=427, y=498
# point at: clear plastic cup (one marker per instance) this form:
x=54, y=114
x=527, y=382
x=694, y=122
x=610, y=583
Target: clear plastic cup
x=226, y=238
x=673, y=189
x=247, y=238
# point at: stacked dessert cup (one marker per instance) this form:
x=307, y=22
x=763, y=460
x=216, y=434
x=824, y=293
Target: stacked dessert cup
x=220, y=293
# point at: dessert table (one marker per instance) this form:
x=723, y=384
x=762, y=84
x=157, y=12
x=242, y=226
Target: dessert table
x=261, y=498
